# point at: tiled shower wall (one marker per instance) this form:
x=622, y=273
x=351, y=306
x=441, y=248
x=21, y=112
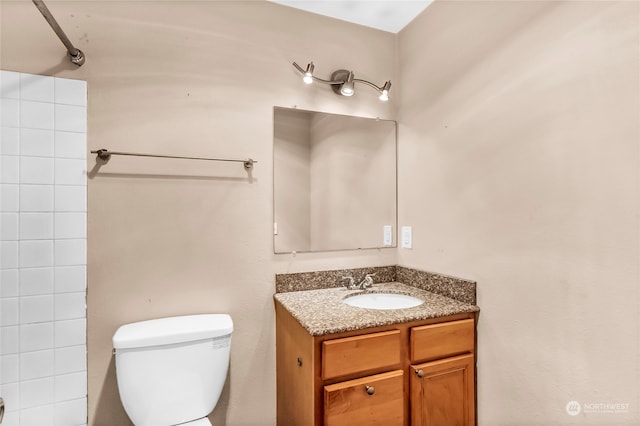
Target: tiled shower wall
x=43, y=374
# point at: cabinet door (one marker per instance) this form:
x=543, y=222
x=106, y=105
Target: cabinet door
x=369, y=401
x=442, y=392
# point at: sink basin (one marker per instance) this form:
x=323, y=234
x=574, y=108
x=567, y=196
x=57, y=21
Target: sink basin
x=382, y=301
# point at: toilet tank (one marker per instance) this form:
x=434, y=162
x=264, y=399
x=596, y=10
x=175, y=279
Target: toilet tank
x=172, y=370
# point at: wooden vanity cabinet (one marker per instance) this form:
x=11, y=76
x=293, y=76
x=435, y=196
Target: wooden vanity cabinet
x=442, y=383
x=371, y=377
x=442, y=392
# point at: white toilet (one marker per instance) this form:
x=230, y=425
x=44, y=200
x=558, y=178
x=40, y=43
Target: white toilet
x=171, y=370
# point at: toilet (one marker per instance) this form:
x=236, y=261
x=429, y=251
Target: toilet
x=171, y=371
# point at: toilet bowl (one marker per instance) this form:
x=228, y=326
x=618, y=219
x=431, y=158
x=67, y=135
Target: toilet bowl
x=171, y=371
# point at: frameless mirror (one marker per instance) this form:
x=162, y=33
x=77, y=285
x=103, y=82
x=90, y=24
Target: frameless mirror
x=334, y=182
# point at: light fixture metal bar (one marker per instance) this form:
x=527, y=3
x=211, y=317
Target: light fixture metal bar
x=378, y=88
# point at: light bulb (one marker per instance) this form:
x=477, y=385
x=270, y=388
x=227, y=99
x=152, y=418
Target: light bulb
x=347, y=86
x=308, y=78
x=346, y=91
x=384, y=92
x=308, y=74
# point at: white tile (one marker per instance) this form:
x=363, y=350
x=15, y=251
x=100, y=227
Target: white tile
x=70, y=172
x=70, y=413
x=34, y=393
x=36, y=88
x=36, y=365
x=9, y=254
x=37, y=416
x=36, y=281
x=70, y=92
x=36, y=115
x=70, y=306
x=71, y=333
x=10, y=112
x=70, y=278
x=71, y=145
x=71, y=118
x=9, y=312
x=10, y=141
x=71, y=386
x=36, y=226
x=11, y=418
x=36, y=198
x=36, y=170
x=10, y=340
x=11, y=394
x=71, y=252
x=10, y=84
x=9, y=169
x=70, y=225
x=36, y=253
x=36, y=309
x=9, y=198
x=37, y=142
x=9, y=283
x=9, y=366
x=70, y=198
x=70, y=359
x=36, y=337
x=8, y=226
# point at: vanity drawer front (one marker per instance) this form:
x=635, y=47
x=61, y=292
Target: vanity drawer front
x=441, y=340
x=350, y=355
x=372, y=400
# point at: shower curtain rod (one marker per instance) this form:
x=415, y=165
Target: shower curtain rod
x=75, y=55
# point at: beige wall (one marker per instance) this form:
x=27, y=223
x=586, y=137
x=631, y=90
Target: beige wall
x=519, y=168
x=171, y=237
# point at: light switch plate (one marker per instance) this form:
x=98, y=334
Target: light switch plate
x=406, y=237
x=387, y=235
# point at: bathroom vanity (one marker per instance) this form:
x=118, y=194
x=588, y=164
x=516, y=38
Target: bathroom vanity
x=343, y=365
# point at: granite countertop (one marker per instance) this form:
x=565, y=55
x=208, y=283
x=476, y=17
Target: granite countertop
x=322, y=311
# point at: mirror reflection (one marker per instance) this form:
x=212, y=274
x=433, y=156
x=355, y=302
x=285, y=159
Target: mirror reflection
x=334, y=182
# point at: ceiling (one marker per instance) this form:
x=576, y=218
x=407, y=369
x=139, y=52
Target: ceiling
x=386, y=15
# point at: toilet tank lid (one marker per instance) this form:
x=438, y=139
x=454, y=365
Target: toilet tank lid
x=167, y=331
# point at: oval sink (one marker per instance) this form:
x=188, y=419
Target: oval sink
x=382, y=301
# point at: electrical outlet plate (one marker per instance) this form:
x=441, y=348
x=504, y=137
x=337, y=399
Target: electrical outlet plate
x=406, y=237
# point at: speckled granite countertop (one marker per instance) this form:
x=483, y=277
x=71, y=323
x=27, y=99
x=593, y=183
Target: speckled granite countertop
x=322, y=311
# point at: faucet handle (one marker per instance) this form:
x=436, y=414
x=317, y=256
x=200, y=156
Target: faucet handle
x=351, y=284
x=367, y=281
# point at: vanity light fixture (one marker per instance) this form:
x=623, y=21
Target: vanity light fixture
x=342, y=81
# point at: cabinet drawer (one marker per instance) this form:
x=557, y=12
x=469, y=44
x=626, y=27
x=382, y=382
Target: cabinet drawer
x=369, y=401
x=357, y=354
x=441, y=340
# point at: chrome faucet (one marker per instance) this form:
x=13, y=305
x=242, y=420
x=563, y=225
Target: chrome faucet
x=367, y=281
